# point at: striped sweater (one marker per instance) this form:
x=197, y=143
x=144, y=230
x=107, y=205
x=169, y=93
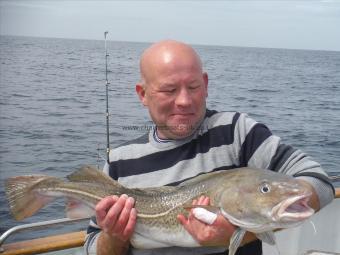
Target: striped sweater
x=224, y=140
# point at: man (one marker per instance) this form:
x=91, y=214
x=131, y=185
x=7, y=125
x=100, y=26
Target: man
x=188, y=140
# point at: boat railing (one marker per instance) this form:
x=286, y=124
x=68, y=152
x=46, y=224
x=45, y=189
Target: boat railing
x=42, y=225
x=335, y=178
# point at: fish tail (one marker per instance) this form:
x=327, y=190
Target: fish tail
x=22, y=195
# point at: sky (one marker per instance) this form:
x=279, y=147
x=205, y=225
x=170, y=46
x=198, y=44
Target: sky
x=292, y=24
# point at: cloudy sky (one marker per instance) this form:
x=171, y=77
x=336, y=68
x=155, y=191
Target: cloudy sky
x=312, y=24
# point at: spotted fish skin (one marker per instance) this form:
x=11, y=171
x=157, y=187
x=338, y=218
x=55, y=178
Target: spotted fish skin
x=255, y=200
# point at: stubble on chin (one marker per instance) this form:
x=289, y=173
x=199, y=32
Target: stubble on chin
x=177, y=131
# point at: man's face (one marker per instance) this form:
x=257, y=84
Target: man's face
x=175, y=94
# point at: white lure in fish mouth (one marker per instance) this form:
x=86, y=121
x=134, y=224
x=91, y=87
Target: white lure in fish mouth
x=293, y=209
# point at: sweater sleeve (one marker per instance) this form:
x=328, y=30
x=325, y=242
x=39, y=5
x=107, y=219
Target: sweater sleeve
x=92, y=234
x=261, y=149
x=297, y=163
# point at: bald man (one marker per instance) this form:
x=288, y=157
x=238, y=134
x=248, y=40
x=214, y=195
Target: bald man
x=188, y=140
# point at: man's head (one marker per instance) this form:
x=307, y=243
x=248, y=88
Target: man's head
x=173, y=87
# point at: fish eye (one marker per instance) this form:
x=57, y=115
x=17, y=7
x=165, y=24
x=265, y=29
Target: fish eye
x=265, y=188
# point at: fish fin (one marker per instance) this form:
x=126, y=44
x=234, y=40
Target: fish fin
x=236, y=240
x=78, y=209
x=91, y=174
x=267, y=237
x=23, y=199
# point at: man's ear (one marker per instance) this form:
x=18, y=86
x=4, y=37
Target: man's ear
x=206, y=81
x=140, y=89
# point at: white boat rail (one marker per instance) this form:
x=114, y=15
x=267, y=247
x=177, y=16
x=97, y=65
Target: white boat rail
x=37, y=225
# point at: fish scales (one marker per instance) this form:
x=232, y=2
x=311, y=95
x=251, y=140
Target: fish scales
x=253, y=200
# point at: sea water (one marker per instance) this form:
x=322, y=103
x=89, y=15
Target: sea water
x=52, y=103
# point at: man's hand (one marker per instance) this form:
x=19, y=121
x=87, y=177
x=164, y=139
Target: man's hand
x=117, y=217
x=216, y=234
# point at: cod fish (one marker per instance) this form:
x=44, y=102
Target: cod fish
x=254, y=200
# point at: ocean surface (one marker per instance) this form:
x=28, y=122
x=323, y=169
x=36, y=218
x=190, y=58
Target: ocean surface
x=52, y=103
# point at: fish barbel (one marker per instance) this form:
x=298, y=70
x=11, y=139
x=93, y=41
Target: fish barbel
x=254, y=200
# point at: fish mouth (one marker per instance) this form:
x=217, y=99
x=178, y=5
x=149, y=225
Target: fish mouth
x=293, y=209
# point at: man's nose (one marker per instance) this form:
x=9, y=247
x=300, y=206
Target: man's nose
x=183, y=98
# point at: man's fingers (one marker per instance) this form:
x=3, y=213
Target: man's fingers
x=203, y=200
x=124, y=215
x=103, y=206
x=117, y=216
x=112, y=215
x=182, y=219
x=223, y=223
x=130, y=226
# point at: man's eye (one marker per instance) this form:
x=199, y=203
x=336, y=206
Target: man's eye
x=194, y=87
x=169, y=90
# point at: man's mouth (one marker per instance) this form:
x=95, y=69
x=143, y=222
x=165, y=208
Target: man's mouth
x=183, y=113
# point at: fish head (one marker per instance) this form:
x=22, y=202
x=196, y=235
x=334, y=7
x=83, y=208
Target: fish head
x=262, y=200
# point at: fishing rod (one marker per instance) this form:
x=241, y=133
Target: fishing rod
x=107, y=105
